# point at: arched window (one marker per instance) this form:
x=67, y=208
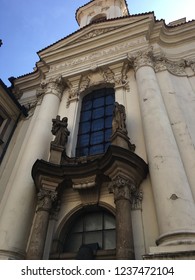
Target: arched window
x=97, y=227
x=98, y=18
x=95, y=127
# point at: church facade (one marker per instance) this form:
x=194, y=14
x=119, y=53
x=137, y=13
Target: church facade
x=102, y=166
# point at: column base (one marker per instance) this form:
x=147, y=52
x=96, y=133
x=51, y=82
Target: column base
x=10, y=255
x=180, y=252
x=176, y=238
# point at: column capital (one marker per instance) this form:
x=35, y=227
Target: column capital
x=122, y=187
x=45, y=200
x=141, y=59
x=54, y=86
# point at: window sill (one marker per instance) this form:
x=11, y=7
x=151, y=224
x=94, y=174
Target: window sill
x=100, y=255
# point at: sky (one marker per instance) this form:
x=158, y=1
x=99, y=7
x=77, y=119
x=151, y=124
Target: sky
x=27, y=26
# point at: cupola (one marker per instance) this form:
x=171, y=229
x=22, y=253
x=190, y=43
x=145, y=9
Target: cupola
x=99, y=10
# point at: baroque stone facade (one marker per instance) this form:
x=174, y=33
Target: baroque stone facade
x=141, y=73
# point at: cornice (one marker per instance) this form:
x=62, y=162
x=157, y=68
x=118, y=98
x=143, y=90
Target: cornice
x=74, y=169
x=172, y=36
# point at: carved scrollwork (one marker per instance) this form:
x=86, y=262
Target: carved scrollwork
x=53, y=86
x=123, y=188
x=142, y=58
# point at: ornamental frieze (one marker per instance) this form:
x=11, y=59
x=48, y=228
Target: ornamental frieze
x=94, y=56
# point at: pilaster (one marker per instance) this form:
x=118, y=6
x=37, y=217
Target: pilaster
x=123, y=190
x=45, y=200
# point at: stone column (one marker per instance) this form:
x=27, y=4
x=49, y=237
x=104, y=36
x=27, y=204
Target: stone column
x=173, y=198
x=179, y=126
x=122, y=189
x=40, y=226
x=16, y=218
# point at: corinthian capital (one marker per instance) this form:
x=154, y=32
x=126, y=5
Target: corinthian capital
x=142, y=58
x=45, y=200
x=54, y=86
x=122, y=188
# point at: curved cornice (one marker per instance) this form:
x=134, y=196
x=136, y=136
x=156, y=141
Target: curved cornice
x=173, y=36
x=102, y=167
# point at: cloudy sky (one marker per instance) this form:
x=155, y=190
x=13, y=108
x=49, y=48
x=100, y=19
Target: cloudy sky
x=27, y=26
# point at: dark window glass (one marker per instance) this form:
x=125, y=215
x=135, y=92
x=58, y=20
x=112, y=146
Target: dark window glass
x=94, y=227
x=95, y=125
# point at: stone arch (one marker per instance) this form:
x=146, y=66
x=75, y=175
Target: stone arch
x=69, y=219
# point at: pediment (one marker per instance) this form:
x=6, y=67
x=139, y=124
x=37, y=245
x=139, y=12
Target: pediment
x=94, y=31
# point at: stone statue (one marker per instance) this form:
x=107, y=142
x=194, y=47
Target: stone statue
x=119, y=119
x=60, y=130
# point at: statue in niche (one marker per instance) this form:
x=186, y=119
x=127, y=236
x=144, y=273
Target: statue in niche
x=60, y=130
x=119, y=119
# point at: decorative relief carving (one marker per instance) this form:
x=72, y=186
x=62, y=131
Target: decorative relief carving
x=108, y=75
x=93, y=34
x=84, y=83
x=142, y=58
x=137, y=198
x=45, y=200
x=191, y=64
x=122, y=188
x=53, y=86
x=146, y=58
x=94, y=56
x=160, y=64
x=176, y=68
